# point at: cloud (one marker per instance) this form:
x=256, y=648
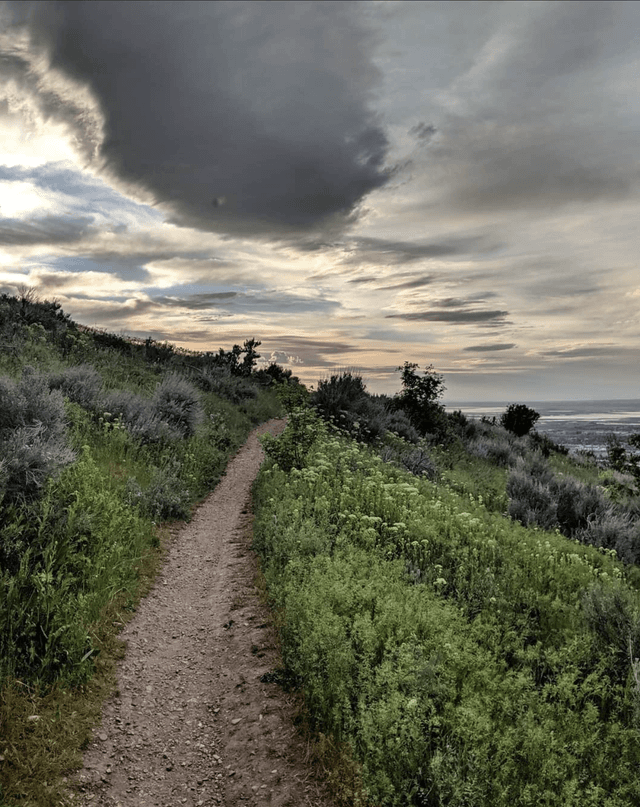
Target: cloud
x=195, y=302
x=527, y=123
x=586, y=352
x=248, y=302
x=415, y=281
x=46, y=230
x=280, y=357
x=423, y=131
x=318, y=353
x=394, y=252
x=458, y=316
x=366, y=279
x=490, y=348
x=266, y=105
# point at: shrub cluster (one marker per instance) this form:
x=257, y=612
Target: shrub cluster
x=577, y=509
x=343, y=400
x=165, y=497
x=226, y=385
x=172, y=413
x=33, y=443
x=81, y=384
x=290, y=449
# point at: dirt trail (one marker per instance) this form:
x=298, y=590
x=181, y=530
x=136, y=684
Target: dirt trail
x=191, y=723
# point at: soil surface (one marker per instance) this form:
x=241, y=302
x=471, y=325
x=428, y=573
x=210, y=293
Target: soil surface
x=191, y=722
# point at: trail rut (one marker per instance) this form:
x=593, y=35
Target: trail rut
x=192, y=723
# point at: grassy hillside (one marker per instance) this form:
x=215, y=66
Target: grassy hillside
x=458, y=601
x=103, y=442
x=460, y=611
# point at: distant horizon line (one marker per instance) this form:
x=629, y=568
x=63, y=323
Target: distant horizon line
x=504, y=402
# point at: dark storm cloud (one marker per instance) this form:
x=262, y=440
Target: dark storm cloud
x=490, y=348
x=451, y=316
x=263, y=104
x=45, y=230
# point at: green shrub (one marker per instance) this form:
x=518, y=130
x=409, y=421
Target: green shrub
x=31, y=457
x=139, y=416
x=165, y=498
x=339, y=396
x=398, y=422
x=416, y=460
x=498, y=447
x=530, y=500
x=615, y=530
x=81, y=384
x=519, y=419
x=290, y=448
x=419, y=400
x=177, y=402
x=71, y=550
x=222, y=382
x=32, y=436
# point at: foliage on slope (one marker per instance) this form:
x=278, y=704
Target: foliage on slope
x=101, y=441
x=465, y=659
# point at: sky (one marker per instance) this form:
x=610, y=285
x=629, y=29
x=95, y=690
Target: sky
x=355, y=184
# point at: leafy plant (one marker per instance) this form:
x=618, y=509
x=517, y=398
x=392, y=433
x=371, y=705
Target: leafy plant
x=177, y=402
x=81, y=384
x=165, y=498
x=290, y=448
x=419, y=398
x=139, y=416
x=32, y=436
x=519, y=419
x=416, y=620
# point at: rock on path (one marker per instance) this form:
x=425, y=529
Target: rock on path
x=192, y=724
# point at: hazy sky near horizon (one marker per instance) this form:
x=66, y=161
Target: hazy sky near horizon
x=355, y=184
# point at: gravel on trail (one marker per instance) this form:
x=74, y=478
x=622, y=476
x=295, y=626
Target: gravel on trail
x=191, y=722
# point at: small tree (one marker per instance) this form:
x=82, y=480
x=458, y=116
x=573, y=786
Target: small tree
x=251, y=356
x=519, y=419
x=419, y=398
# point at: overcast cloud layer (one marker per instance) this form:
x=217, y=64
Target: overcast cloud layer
x=354, y=183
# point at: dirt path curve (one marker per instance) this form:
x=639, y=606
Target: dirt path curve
x=191, y=723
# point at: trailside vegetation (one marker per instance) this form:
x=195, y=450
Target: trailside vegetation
x=466, y=631
x=103, y=442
